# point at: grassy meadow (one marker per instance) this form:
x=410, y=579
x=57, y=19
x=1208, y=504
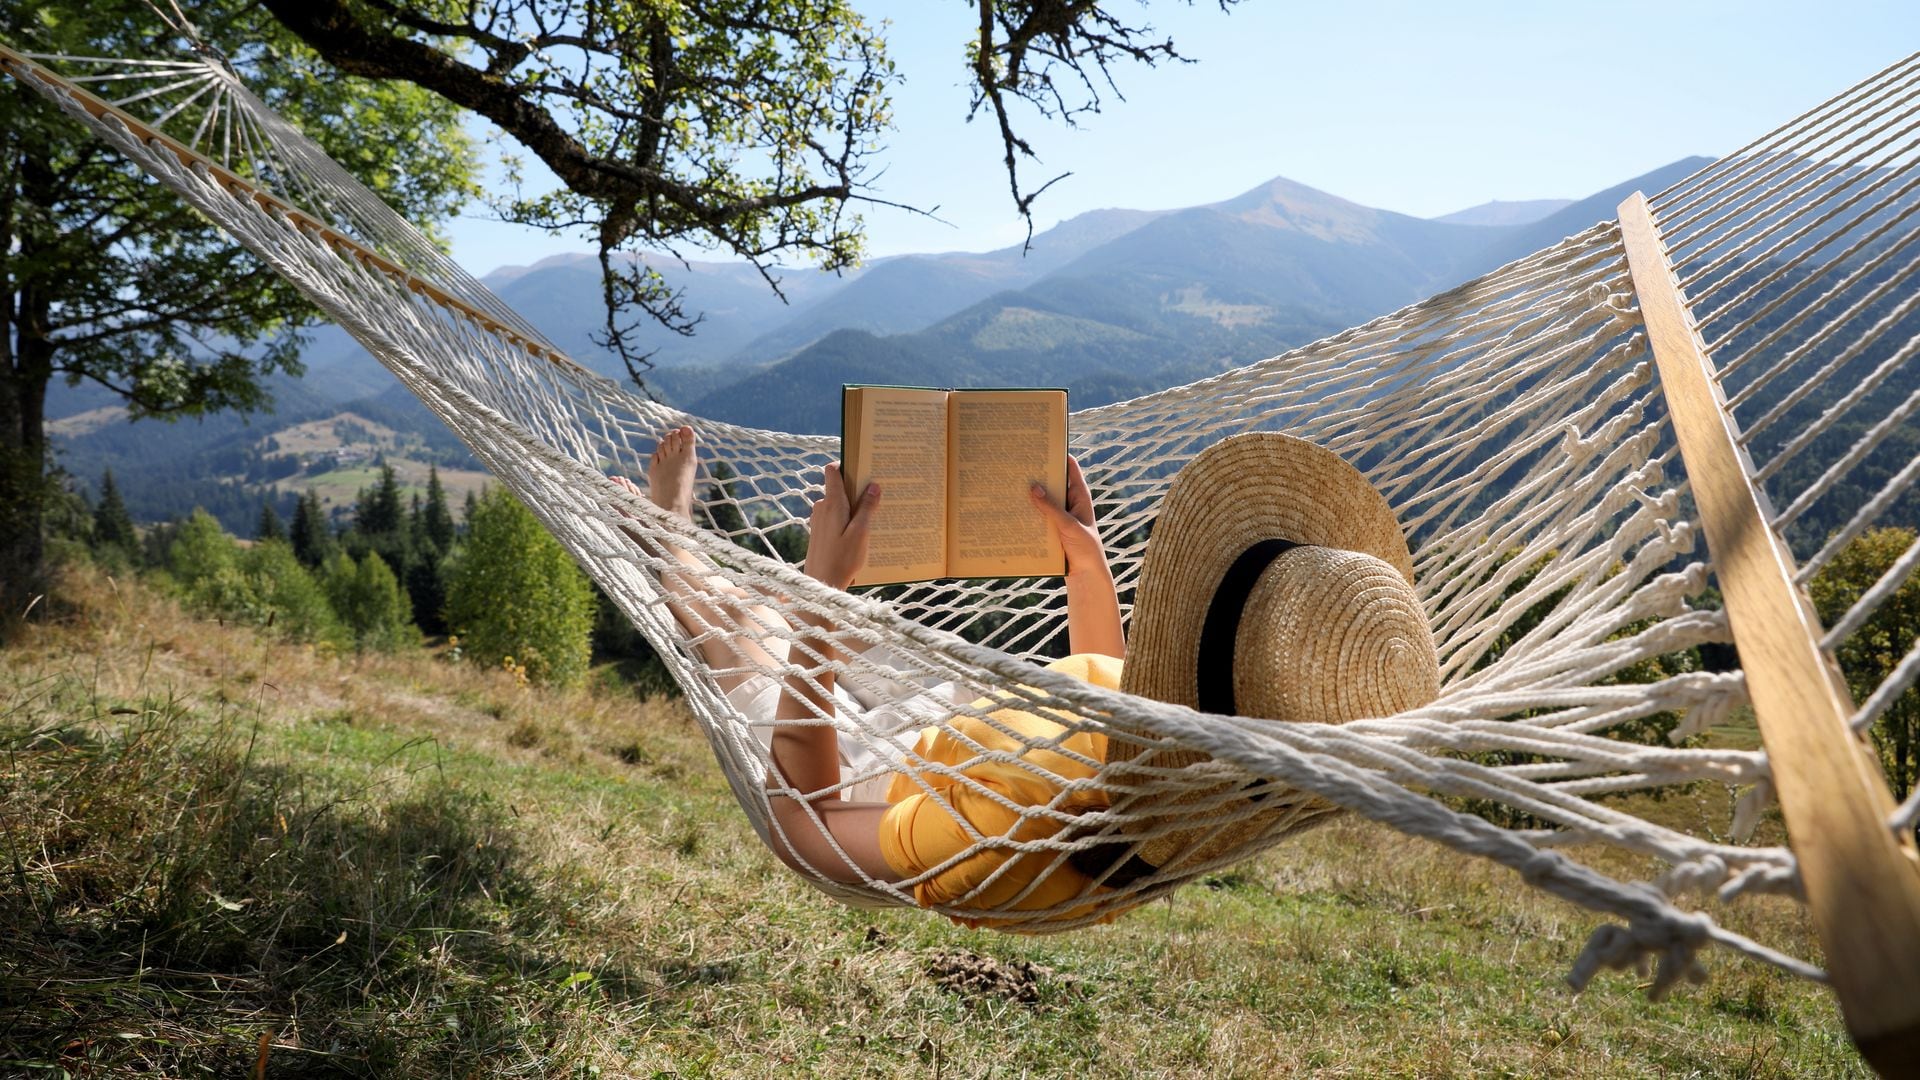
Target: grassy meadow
x=225, y=856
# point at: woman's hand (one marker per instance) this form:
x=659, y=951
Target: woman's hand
x=1074, y=523
x=837, y=548
x=1093, y=608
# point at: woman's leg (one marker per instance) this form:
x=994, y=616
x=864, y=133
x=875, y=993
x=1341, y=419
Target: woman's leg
x=734, y=632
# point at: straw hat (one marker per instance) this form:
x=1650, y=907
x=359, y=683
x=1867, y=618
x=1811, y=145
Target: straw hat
x=1277, y=584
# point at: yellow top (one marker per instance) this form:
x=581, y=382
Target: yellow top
x=919, y=831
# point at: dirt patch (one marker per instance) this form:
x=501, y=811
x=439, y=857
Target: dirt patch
x=974, y=975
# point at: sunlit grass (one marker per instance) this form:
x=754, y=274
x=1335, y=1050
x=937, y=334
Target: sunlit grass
x=404, y=866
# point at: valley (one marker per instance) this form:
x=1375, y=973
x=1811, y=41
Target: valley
x=1110, y=304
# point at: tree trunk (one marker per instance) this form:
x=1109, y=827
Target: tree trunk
x=22, y=475
x=28, y=365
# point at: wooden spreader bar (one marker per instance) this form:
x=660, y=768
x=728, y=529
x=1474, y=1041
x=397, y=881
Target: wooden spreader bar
x=1862, y=882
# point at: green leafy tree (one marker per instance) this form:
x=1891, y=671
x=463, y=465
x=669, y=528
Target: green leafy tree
x=263, y=585
x=367, y=598
x=1871, y=653
x=201, y=550
x=513, y=593
x=747, y=126
x=112, y=526
x=208, y=568
x=288, y=597
x=1652, y=729
x=106, y=277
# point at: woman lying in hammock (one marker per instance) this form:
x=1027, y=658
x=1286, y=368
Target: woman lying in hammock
x=1288, y=539
x=812, y=758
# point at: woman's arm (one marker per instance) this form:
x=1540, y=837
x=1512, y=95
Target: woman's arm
x=1093, y=605
x=808, y=755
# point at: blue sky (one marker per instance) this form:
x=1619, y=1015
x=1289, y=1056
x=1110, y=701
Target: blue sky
x=1422, y=108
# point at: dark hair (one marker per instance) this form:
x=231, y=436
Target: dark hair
x=1112, y=863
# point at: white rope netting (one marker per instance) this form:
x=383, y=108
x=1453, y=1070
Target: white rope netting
x=1514, y=423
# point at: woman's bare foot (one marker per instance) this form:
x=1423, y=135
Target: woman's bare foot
x=670, y=472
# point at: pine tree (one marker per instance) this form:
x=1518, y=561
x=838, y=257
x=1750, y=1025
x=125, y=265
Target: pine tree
x=378, y=511
x=157, y=542
x=466, y=512
x=436, y=520
x=380, y=524
x=513, y=593
x=312, y=540
x=269, y=527
x=112, y=525
x=426, y=584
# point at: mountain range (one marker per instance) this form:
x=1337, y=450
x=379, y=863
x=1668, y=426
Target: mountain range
x=1110, y=304
x=1180, y=295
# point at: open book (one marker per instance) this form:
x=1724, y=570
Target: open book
x=954, y=467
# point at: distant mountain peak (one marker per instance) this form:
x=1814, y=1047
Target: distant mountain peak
x=1281, y=203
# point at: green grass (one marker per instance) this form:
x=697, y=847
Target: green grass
x=405, y=867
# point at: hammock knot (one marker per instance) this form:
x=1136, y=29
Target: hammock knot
x=1777, y=879
x=1576, y=448
x=1699, y=875
x=1540, y=866
x=1717, y=699
x=1624, y=305
x=1664, y=505
x=1673, y=939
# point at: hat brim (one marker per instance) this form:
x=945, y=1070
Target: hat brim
x=1234, y=494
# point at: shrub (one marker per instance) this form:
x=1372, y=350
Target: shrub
x=514, y=594
x=201, y=550
x=369, y=601
x=1876, y=649
x=289, y=598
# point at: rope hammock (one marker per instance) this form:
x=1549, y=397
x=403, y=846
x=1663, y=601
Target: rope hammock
x=1527, y=427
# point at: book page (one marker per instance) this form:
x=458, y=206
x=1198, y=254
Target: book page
x=1001, y=442
x=897, y=438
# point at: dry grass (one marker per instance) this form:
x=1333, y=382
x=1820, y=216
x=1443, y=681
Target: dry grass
x=400, y=866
